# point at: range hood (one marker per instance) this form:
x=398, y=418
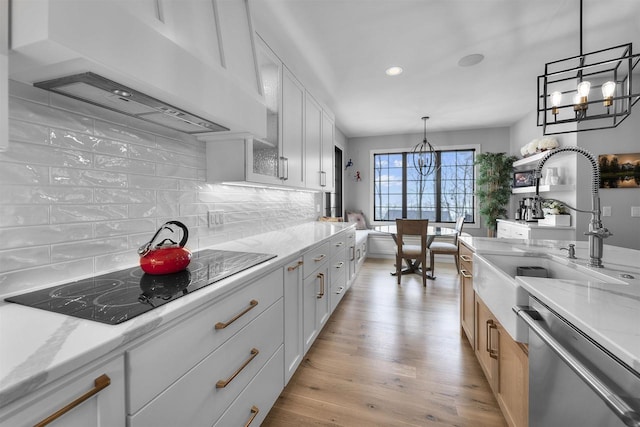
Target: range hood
x=97, y=90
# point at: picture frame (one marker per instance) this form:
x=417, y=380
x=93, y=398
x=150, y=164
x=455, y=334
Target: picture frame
x=621, y=170
x=524, y=179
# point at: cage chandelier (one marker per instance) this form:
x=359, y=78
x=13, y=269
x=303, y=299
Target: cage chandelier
x=568, y=95
x=424, y=155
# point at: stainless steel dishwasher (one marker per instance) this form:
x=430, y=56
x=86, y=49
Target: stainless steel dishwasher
x=573, y=381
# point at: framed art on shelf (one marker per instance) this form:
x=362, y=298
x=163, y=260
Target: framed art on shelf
x=523, y=179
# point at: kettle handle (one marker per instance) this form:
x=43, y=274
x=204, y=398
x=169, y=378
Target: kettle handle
x=146, y=248
x=185, y=231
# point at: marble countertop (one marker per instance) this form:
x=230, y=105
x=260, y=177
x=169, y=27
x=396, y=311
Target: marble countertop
x=608, y=312
x=38, y=347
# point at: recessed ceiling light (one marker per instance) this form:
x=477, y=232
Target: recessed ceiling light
x=469, y=60
x=393, y=71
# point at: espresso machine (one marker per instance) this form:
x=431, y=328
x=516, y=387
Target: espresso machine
x=531, y=209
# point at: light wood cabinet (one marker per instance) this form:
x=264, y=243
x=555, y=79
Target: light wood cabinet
x=293, y=318
x=104, y=408
x=505, y=364
x=467, y=300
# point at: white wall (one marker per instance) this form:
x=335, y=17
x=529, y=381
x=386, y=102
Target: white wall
x=81, y=188
x=358, y=193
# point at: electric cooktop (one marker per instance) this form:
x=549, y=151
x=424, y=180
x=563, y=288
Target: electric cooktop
x=115, y=297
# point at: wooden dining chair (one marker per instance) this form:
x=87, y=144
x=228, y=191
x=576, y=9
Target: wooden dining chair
x=448, y=247
x=415, y=255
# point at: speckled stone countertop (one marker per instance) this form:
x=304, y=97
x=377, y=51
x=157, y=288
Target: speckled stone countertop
x=38, y=347
x=607, y=311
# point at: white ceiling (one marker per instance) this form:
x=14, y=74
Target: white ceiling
x=340, y=49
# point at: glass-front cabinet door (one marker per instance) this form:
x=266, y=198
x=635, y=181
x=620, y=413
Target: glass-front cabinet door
x=264, y=164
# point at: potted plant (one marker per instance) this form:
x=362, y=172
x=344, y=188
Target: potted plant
x=493, y=187
x=554, y=214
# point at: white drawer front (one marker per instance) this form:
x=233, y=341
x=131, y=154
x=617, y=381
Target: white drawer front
x=157, y=363
x=195, y=399
x=316, y=258
x=253, y=405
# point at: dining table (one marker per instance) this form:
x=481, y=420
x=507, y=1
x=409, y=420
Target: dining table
x=432, y=233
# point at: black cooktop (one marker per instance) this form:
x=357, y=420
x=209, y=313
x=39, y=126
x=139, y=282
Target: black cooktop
x=115, y=297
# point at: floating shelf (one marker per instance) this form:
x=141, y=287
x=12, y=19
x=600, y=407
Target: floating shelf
x=542, y=188
x=529, y=160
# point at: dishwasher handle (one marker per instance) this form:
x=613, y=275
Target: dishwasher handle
x=623, y=411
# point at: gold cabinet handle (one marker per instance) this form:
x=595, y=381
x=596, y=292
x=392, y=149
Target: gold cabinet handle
x=320, y=258
x=465, y=274
x=466, y=258
x=339, y=244
x=321, y=277
x=293, y=267
x=222, y=325
x=100, y=383
x=340, y=264
x=224, y=383
x=340, y=289
x=491, y=325
x=353, y=253
x=254, y=413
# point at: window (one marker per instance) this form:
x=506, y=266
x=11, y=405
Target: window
x=399, y=191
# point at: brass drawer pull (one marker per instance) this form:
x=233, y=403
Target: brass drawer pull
x=320, y=258
x=252, y=304
x=340, y=264
x=353, y=253
x=293, y=267
x=224, y=383
x=339, y=244
x=465, y=258
x=254, y=413
x=465, y=274
x=321, y=277
x=492, y=353
x=100, y=383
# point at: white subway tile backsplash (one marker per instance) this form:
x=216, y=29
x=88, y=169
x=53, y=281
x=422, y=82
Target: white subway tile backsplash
x=81, y=188
x=88, y=177
x=122, y=164
x=61, y=214
x=88, y=248
x=24, y=194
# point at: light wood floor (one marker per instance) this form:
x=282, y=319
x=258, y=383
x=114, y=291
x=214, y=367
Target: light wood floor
x=390, y=356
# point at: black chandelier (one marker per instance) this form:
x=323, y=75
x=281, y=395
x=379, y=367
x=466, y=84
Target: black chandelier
x=610, y=70
x=424, y=155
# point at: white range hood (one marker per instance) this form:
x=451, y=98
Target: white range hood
x=195, y=57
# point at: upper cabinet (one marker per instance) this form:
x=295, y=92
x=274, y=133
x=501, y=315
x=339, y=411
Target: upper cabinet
x=4, y=74
x=196, y=55
x=319, y=146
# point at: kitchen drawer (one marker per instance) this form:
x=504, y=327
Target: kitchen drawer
x=339, y=242
x=254, y=403
x=466, y=257
x=104, y=408
x=155, y=364
x=197, y=399
x=316, y=257
x=338, y=288
x=337, y=273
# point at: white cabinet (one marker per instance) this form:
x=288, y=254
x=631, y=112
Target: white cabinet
x=198, y=56
x=293, y=318
x=316, y=307
x=351, y=256
x=319, y=146
x=100, y=388
x=278, y=158
x=523, y=230
x=292, y=129
x=327, y=181
x=4, y=74
x=190, y=373
x=339, y=269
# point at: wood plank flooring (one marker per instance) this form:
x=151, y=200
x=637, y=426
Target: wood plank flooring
x=390, y=356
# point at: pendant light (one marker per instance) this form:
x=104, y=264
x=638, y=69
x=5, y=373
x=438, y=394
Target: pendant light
x=609, y=69
x=424, y=155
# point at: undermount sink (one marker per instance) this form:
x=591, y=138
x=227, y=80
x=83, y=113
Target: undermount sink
x=494, y=280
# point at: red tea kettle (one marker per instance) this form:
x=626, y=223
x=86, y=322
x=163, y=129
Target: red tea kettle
x=167, y=256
